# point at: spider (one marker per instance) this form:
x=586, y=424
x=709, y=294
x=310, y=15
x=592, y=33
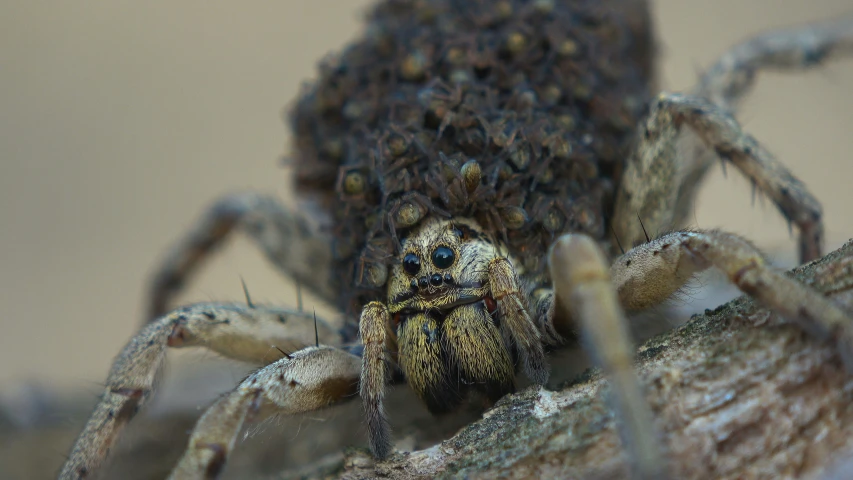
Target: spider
x=510, y=242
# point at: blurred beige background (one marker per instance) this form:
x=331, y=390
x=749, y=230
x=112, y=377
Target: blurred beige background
x=120, y=121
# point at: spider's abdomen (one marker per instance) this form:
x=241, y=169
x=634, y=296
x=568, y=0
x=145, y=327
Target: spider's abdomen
x=543, y=94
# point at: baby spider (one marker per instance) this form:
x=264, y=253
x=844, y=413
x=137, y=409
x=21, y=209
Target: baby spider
x=463, y=290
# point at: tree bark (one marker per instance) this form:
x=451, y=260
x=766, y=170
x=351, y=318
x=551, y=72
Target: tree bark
x=736, y=393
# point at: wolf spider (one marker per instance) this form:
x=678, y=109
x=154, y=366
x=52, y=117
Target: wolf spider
x=461, y=314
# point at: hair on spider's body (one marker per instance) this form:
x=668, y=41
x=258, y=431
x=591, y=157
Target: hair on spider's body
x=468, y=160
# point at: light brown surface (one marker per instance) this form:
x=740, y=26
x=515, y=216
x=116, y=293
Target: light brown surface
x=121, y=121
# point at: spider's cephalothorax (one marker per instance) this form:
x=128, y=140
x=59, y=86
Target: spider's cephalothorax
x=448, y=326
x=469, y=157
x=462, y=323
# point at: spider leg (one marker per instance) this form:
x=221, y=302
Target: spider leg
x=646, y=276
x=253, y=334
x=379, y=343
x=584, y=292
x=730, y=78
x=516, y=326
x=657, y=179
x=307, y=380
x=661, y=178
x=288, y=240
x=650, y=273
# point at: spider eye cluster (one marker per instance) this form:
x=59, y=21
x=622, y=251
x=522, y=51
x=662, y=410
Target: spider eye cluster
x=442, y=258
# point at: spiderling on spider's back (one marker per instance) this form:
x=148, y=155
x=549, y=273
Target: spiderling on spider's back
x=543, y=97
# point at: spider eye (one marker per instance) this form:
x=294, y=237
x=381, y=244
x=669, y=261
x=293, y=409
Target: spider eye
x=411, y=264
x=442, y=257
